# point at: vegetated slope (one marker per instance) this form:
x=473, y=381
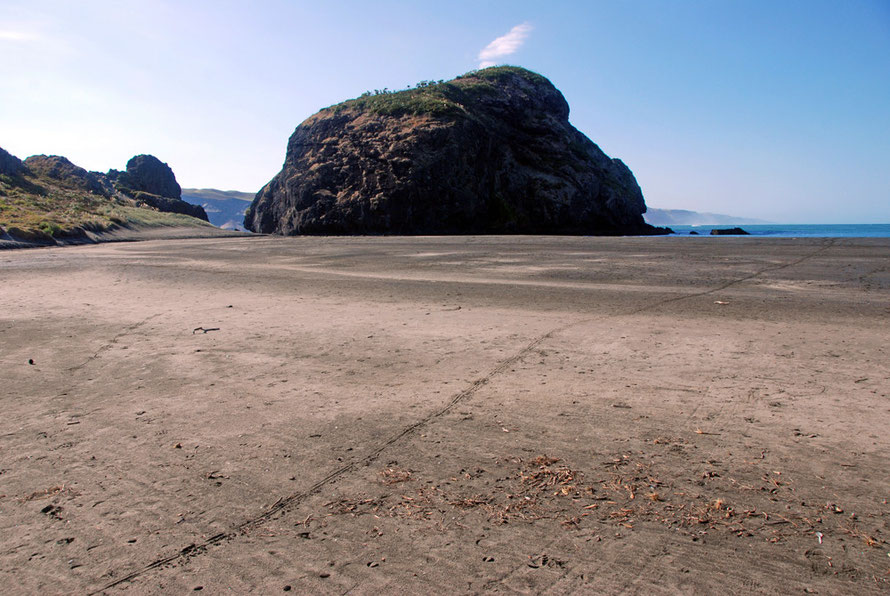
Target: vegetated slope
x=491, y=151
x=49, y=200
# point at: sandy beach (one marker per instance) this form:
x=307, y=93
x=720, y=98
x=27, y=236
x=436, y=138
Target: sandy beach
x=446, y=415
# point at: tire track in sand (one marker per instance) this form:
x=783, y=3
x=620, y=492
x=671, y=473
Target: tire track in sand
x=112, y=342
x=287, y=503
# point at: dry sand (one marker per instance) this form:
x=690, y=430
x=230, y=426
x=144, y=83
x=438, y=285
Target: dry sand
x=459, y=415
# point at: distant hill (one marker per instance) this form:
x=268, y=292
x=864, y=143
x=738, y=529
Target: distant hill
x=683, y=217
x=225, y=208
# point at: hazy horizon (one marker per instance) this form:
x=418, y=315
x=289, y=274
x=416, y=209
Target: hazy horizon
x=750, y=109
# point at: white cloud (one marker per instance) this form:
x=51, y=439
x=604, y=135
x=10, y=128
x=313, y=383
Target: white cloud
x=504, y=45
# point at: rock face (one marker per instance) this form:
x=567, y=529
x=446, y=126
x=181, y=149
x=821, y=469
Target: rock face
x=147, y=173
x=170, y=205
x=151, y=181
x=489, y=152
x=69, y=175
x=9, y=163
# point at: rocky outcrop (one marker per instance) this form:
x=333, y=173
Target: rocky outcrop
x=151, y=181
x=69, y=175
x=147, y=173
x=169, y=205
x=730, y=232
x=47, y=201
x=147, y=181
x=9, y=163
x=489, y=152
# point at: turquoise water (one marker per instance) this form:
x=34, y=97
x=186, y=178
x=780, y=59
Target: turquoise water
x=796, y=230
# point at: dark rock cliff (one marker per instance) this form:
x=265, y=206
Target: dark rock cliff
x=151, y=181
x=9, y=163
x=489, y=152
x=68, y=175
x=147, y=173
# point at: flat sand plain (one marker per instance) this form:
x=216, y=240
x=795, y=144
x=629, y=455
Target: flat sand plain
x=446, y=415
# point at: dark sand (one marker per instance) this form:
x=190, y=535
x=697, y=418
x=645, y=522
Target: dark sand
x=382, y=415
x=133, y=233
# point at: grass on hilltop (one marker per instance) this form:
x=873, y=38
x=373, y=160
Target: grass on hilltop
x=439, y=98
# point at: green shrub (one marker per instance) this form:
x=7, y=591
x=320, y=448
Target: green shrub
x=50, y=228
x=439, y=98
x=502, y=74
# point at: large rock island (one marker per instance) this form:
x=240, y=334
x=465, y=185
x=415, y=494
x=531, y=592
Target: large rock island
x=489, y=152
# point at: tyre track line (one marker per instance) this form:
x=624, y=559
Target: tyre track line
x=285, y=504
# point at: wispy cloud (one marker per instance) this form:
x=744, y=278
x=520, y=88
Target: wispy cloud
x=9, y=35
x=504, y=45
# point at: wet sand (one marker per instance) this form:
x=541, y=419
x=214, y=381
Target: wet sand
x=462, y=415
x=131, y=233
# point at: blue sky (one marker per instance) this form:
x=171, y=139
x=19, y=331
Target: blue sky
x=778, y=110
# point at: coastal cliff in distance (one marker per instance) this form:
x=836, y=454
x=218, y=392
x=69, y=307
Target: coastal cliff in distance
x=684, y=217
x=490, y=152
x=225, y=208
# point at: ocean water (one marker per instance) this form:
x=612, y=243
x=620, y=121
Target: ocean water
x=795, y=230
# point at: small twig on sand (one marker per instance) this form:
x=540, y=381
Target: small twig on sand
x=699, y=431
